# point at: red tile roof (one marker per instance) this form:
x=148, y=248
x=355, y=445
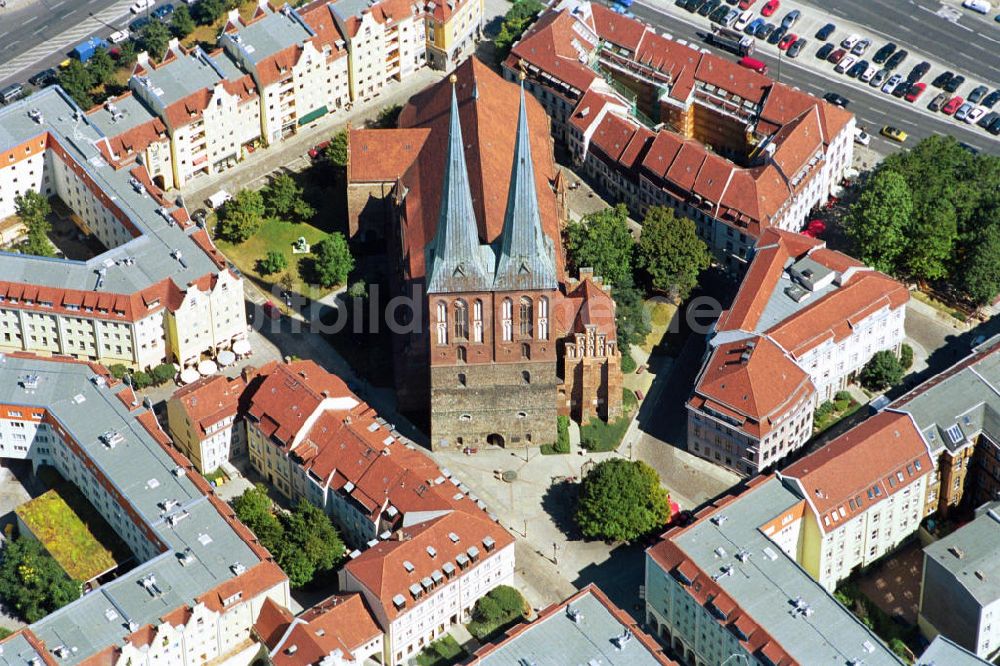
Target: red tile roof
x=862, y=467
x=377, y=156
x=342, y=622
x=210, y=400
x=289, y=395
x=548, y=46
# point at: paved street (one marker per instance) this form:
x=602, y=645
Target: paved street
x=873, y=109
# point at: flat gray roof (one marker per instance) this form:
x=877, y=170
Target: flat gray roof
x=150, y=252
x=556, y=640
x=144, y=474
x=181, y=76
x=971, y=554
x=767, y=584
x=120, y=116
x=943, y=652
x=276, y=31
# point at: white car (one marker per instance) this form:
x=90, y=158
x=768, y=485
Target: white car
x=869, y=73
x=980, y=6
x=891, y=84
x=850, y=41
x=744, y=20
x=118, y=36
x=861, y=137
x=975, y=115
x=141, y=6
x=845, y=64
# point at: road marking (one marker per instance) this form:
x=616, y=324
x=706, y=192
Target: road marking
x=42, y=29
x=58, y=4
x=29, y=20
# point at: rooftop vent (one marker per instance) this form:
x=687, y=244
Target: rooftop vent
x=720, y=552
x=408, y=565
x=957, y=552
x=29, y=382
x=719, y=519
x=622, y=639
x=172, y=520
x=149, y=584
x=980, y=575
x=111, y=439
x=37, y=116
x=453, y=537
x=186, y=557
x=726, y=571
x=574, y=614
x=238, y=569
x=110, y=614
x=743, y=555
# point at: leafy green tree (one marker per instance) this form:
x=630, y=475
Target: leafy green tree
x=631, y=320
x=358, y=289
x=207, y=12
x=881, y=372
x=118, y=371
x=102, y=67
x=77, y=81
x=517, y=19
x=931, y=241
x=670, y=252
x=31, y=582
x=311, y=543
x=255, y=510
x=141, y=379
x=496, y=609
x=621, y=500
x=181, y=24
x=33, y=209
x=879, y=220
x=163, y=373
x=154, y=39
x=981, y=272
x=241, y=216
x=388, y=117
x=602, y=241
x=273, y=262
x=127, y=53
x=333, y=260
x=906, y=356
x=336, y=153
x=283, y=199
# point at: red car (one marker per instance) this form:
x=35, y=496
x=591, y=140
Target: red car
x=318, y=149
x=952, y=105
x=787, y=41
x=816, y=226
x=770, y=7
x=271, y=310
x=837, y=56
x=746, y=4
x=916, y=90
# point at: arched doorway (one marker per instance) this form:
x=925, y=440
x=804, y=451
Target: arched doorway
x=495, y=440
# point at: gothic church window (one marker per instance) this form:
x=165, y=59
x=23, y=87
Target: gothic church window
x=543, y=318
x=507, y=316
x=442, y=323
x=526, y=317
x=461, y=320
x=477, y=321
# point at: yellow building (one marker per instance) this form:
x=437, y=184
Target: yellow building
x=453, y=28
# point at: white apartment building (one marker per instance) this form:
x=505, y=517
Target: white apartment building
x=297, y=60
x=136, y=135
x=427, y=578
x=121, y=305
x=99, y=436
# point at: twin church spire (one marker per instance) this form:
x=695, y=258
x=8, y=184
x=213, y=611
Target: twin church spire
x=522, y=258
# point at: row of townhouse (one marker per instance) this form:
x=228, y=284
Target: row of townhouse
x=199, y=577
x=159, y=290
x=425, y=548
x=804, y=322
x=281, y=69
x=653, y=121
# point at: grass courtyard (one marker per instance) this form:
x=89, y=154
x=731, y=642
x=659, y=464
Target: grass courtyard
x=598, y=436
x=72, y=531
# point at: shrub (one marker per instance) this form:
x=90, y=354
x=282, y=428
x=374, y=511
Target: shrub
x=141, y=380
x=501, y=606
x=843, y=396
x=628, y=363
x=906, y=356
x=162, y=373
x=273, y=262
x=118, y=370
x=881, y=372
x=562, y=434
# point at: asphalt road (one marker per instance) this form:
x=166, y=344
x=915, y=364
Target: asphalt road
x=872, y=108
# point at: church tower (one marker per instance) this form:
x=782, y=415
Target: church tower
x=492, y=337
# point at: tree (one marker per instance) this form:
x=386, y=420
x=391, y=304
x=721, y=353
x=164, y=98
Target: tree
x=118, y=371
x=31, y=582
x=336, y=152
x=906, y=356
x=670, y=252
x=311, y=543
x=163, y=373
x=283, y=199
x=631, y=320
x=154, y=39
x=388, y=117
x=207, y=12
x=517, y=19
x=358, y=289
x=879, y=219
x=255, y=510
x=77, y=81
x=881, y=372
x=141, y=379
x=932, y=234
x=102, y=67
x=333, y=260
x=33, y=209
x=273, y=262
x=602, y=241
x=621, y=500
x=127, y=53
x=241, y=216
x=982, y=266
x=181, y=24
x=497, y=608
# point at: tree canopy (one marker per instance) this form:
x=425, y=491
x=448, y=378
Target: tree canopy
x=881, y=372
x=517, y=19
x=273, y=262
x=181, y=23
x=283, y=199
x=241, y=216
x=336, y=152
x=333, y=260
x=880, y=218
x=497, y=608
x=154, y=39
x=621, y=500
x=31, y=582
x=982, y=269
x=602, y=241
x=77, y=81
x=33, y=209
x=670, y=252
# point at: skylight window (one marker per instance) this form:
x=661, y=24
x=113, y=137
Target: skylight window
x=955, y=434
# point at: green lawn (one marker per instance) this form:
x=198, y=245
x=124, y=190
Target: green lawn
x=441, y=652
x=661, y=313
x=70, y=536
x=830, y=412
x=598, y=436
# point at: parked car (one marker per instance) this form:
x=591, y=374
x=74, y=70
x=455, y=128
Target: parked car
x=837, y=56
x=163, y=11
x=787, y=41
x=861, y=47
x=796, y=48
x=118, y=36
x=918, y=72
x=879, y=78
x=883, y=53
x=896, y=59
x=709, y=7
x=137, y=25
x=891, y=84
x=43, y=78
x=894, y=133
x=942, y=79
x=824, y=33
x=938, y=102
x=765, y=31
x=954, y=83
x=980, y=6
x=963, y=111
x=974, y=114
x=985, y=121
x=952, y=105
x=770, y=7
x=861, y=137
x=857, y=69
x=271, y=310
x=978, y=93
x=916, y=90
x=790, y=19
x=743, y=21
x=991, y=99
x=868, y=74
x=994, y=127
x=746, y=4
x=901, y=89
x=754, y=26
x=776, y=36
x=11, y=93
x=845, y=64
x=141, y=6
x=849, y=41
x=824, y=51
x=836, y=99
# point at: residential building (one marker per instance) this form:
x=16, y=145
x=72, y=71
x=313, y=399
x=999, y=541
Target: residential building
x=943, y=651
x=454, y=27
x=160, y=291
x=586, y=628
x=427, y=577
x=725, y=588
x=211, y=108
x=298, y=62
x=339, y=631
x=654, y=121
x=474, y=229
x=205, y=418
x=199, y=577
x=959, y=595
x=136, y=136
x=805, y=321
